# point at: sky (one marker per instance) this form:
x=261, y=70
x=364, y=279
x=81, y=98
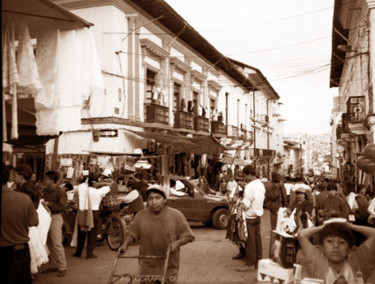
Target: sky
x=289, y=41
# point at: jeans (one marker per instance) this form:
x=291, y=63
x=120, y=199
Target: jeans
x=57, y=256
x=254, y=242
x=15, y=265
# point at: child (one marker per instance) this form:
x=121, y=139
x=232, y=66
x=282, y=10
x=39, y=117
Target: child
x=335, y=258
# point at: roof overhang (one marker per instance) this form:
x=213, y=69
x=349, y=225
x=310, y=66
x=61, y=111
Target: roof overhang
x=40, y=15
x=339, y=37
x=258, y=80
x=172, y=21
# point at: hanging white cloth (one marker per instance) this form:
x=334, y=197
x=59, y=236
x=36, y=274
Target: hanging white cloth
x=70, y=72
x=38, y=238
x=29, y=82
x=10, y=73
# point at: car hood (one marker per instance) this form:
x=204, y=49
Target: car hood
x=215, y=197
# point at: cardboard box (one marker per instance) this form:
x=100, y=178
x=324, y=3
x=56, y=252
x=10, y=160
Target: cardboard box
x=270, y=271
x=283, y=249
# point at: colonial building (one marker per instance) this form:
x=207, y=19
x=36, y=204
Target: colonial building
x=352, y=72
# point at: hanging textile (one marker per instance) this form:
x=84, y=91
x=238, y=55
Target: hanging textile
x=10, y=73
x=29, y=82
x=70, y=72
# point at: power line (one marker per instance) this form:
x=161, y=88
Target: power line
x=272, y=21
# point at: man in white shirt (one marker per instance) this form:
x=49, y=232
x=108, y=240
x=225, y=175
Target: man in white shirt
x=252, y=203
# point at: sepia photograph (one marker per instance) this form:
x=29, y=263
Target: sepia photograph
x=190, y=142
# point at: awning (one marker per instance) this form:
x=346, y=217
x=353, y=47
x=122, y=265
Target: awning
x=235, y=161
x=207, y=145
x=197, y=145
x=41, y=15
x=26, y=127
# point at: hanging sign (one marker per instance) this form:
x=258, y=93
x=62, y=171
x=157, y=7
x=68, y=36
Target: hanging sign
x=108, y=133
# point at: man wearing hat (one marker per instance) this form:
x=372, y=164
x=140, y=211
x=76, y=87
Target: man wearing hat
x=157, y=228
x=303, y=206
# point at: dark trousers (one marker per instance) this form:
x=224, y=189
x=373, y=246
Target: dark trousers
x=15, y=264
x=254, y=242
x=273, y=216
x=91, y=237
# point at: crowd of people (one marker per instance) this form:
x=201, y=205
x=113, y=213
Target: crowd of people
x=330, y=222
x=331, y=219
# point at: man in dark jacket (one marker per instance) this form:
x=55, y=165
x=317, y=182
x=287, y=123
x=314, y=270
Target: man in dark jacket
x=17, y=214
x=22, y=180
x=275, y=197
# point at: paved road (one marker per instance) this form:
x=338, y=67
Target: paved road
x=207, y=260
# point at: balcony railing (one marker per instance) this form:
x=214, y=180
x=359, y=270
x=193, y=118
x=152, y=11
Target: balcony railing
x=201, y=123
x=183, y=119
x=233, y=131
x=217, y=127
x=157, y=113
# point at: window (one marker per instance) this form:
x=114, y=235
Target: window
x=176, y=96
x=150, y=86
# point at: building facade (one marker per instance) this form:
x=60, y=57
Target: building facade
x=352, y=72
x=162, y=78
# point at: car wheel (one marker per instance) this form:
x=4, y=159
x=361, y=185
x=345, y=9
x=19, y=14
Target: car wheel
x=220, y=219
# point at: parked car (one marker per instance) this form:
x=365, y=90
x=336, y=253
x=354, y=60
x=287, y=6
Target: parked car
x=196, y=205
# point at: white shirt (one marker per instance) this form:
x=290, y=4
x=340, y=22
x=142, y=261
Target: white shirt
x=96, y=196
x=253, y=198
x=288, y=187
x=232, y=185
x=371, y=207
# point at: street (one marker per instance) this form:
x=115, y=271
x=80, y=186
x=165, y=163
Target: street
x=206, y=260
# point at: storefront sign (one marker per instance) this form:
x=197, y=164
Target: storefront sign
x=66, y=162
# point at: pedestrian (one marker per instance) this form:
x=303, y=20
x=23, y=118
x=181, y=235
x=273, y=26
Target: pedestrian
x=22, y=178
x=231, y=188
x=334, y=205
x=237, y=231
x=252, y=203
x=275, y=197
x=88, y=200
x=288, y=186
x=371, y=210
x=12, y=174
x=55, y=199
x=336, y=258
x=158, y=228
x=361, y=214
x=17, y=215
x=303, y=207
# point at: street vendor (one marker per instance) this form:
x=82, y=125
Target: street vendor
x=158, y=228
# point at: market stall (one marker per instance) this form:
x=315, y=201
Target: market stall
x=49, y=68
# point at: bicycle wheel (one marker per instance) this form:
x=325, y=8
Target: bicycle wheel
x=116, y=233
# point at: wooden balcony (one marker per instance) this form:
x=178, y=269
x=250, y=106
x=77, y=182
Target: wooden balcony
x=157, y=113
x=217, y=127
x=233, y=131
x=201, y=123
x=183, y=119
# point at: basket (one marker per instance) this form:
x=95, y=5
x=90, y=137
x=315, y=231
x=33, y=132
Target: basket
x=111, y=201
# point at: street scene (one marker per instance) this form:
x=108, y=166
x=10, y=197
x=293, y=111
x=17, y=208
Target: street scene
x=171, y=141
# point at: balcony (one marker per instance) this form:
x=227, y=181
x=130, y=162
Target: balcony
x=355, y=107
x=233, y=131
x=201, y=123
x=183, y=119
x=217, y=127
x=157, y=113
